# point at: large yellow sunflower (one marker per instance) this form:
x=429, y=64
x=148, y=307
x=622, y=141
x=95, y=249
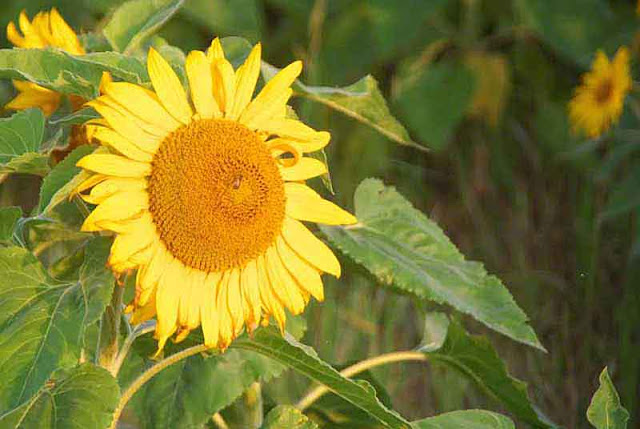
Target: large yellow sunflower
x=206, y=196
x=598, y=101
x=48, y=29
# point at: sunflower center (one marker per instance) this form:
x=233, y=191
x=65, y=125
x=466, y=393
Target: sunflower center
x=604, y=91
x=216, y=195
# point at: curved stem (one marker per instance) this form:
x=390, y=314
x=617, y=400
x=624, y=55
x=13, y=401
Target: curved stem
x=148, y=374
x=122, y=355
x=359, y=367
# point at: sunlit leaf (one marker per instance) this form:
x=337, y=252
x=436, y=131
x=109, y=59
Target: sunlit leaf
x=136, y=20
x=42, y=320
x=80, y=398
x=63, y=179
x=20, y=140
x=605, y=410
x=8, y=219
x=476, y=419
x=403, y=248
x=475, y=357
x=304, y=359
x=286, y=416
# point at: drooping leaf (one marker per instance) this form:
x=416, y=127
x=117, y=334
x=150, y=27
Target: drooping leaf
x=42, y=320
x=136, y=20
x=288, y=351
x=63, y=178
x=605, y=410
x=188, y=393
x=83, y=397
x=476, y=419
x=404, y=249
x=8, y=219
x=363, y=102
x=20, y=140
x=433, y=100
x=476, y=358
x=286, y=416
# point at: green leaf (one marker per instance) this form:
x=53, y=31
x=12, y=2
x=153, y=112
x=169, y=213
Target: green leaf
x=304, y=359
x=188, y=393
x=136, y=20
x=120, y=66
x=236, y=49
x=20, y=140
x=286, y=416
x=361, y=101
x=42, y=320
x=605, y=410
x=78, y=117
x=436, y=327
x=241, y=17
x=63, y=179
x=476, y=419
x=434, y=99
x=84, y=397
x=9, y=217
x=476, y=358
x=403, y=248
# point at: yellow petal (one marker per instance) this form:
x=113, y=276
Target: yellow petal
x=235, y=302
x=126, y=126
x=63, y=35
x=303, y=203
x=116, y=209
x=304, y=169
x=224, y=317
x=208, y=310
x=152, y=130
x=123, y=145
x=142, y=103
x=149, y=275
x=32, y=95
x=90, y=182
x=309, y=247
x=106, y=188
x=201, y=84
x=126, y=245
x=269, y=301
x=14, y=36
x=167, y=298
x=246, y=79
x=224, y=83
x=305, y=275
x=282, y=283
x=168, y=87
x=269, y=112
x=198, y=295
x=114, y=165
x=251, y=288
x=215, y=51
x=144, y=313
x=186, y=296
x=272, y=91
x=289, y=128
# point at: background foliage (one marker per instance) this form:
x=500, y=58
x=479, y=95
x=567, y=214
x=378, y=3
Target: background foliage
x=483, y=85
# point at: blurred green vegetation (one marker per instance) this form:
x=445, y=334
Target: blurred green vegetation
x=483, y=84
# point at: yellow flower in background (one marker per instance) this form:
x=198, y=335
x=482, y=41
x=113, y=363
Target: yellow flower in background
x=206, y=196
x=47, y=29
x=598, y=101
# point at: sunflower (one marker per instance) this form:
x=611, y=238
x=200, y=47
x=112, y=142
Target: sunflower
x=206, y=196
x=47, y=29
x=598, y=102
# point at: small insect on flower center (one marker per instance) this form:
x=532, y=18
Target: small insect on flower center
x=216, y=195
x=604, y=91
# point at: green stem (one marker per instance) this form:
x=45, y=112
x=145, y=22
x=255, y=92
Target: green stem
x=110, y=330
x=149, y=374
x=359, y=367
x=124, y=350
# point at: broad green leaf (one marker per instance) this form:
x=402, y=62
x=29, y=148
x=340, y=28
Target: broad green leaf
x=20, y=140
x=605, y=410
x=68, y=74
x=361, y=101
x=9, y=217
x=304, y=359
x=136, y=20
x=403, y=248
x=433, y=100
x=42, y=320
x=188, y=393
x=78, y=117
x=476, y=419
x=63, y=178
x=240, y=17
x=476, y=358
x=84, y=397
x=286, y=416
x=236, y=49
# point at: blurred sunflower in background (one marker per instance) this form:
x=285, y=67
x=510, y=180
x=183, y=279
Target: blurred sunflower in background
x=206, y=198
x=598, y=101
